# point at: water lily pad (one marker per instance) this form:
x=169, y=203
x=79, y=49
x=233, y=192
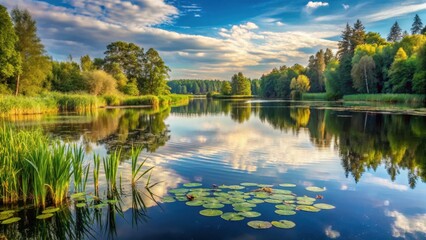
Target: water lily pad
x=283, y=224
x=285, y=207
x=274, y=201
x=168, y=199
x=231, y=216
x=265, y=185
x=51, y=210
x=259, y=224
x=81, y=205
x=305, y=202
x=211, y=212
x=192, y=184
x=244, y=205
x=282, y=197
x=237, y=200
x=287, y=185
x=45, y=216
x=315, y=189
x=213, y=205
x=261, y=195
x=11, y=220
x=255, y=201
x=7, y=212
x=236, y=193
x=324, y=206
x=307, y=208
x=281, y=191
x=305, y=198
x=250, y=214
x=194, y=203
x=221, y=194
x=236, y=187
x=182, y=199
x=226, y=202
x=242, y=209
x=248, y=184
x=78, y=195
x=5, y=216
x=285, y=212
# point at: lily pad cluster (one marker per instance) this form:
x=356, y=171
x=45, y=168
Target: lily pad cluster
x=83, y=200
x=239, y=202
x=8, y=217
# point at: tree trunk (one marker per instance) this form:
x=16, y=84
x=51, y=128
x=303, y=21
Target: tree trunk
x=365, y=77
x=17, y=85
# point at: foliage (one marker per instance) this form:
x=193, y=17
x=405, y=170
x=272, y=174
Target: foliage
x=188, y=86
x=401, y=73
x=363, y=75
x=417, y=26
x=419, y=79
x=374, y=38
x=240, y=84
x=331, y=74
x=276, y=84
x=393, y=98
x=314, y=96
x=395, y=33
x=131, y=88
x=35, y=64
x=300, y=84
x=226, y=88
x=154, y=74
x=100, y=82
x=67, y=77
x=10, y=64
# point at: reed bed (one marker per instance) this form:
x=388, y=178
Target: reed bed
x=392, y=98
x=315, y=96
x=37, y=169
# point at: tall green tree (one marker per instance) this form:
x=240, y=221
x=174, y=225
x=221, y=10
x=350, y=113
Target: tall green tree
x=363, y=75
x=35, y=64
x=419, y=79
x=374, y=38
x=226, y=88
x=10, y=62
x=417, y=26
x=154, y=74
x=358, y=35
x=395, y=33
x=240, y=84
x=328, y=56
x=345, y=42
x=401, y=73
x=128, y=56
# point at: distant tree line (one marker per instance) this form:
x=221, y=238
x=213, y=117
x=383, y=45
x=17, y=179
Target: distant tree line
x=26, y=69
x=191, y=86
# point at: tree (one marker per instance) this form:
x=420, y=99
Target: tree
x=374, y=38
x=131, y=88
x=358, y=35
x=332, y=83
x=128, y=56
x=300, y=84
x=99, y=82
x=417, y=26
x=240, y=85
x=154, y=74
x=328, y=56
x=363, y=75
x=395, y=33
x=67, y=77
x=35, y=64
x=226, y=88
x=401, y=73
x=419, y=79
x=86, y=63
x=255, y=86
x=345, y=42
x=10, y=64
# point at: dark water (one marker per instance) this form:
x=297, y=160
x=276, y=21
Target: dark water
x=373, y=165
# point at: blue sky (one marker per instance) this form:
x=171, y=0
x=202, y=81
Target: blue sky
x=211, y=39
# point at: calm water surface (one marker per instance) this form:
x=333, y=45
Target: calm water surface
x=373, y=165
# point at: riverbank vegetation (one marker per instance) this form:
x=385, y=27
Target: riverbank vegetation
x=392, y=98
x=39, y=170
x=32, y=83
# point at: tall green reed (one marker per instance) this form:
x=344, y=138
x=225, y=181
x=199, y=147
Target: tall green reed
x=136, y=169
x=111, y=164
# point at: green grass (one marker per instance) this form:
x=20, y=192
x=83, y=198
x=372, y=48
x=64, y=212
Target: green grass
x=315, y=96
x=219, y=96
x=392, y=98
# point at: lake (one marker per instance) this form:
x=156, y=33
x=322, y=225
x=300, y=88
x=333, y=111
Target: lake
x=368, y=161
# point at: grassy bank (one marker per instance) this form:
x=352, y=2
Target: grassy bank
x=315, y=96
x=392, y=98
x=57, y=102
x=219, y=96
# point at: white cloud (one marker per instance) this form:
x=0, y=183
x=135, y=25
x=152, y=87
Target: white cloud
x=280, y=24
x=333, y=234
x=345, y=6
x=369, y=178
x=404, y=225
x=395, y=11
x=316, y=5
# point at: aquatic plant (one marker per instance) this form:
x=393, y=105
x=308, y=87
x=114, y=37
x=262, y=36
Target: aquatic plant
x=136, y=169
x=111, y=164
x=96, y=167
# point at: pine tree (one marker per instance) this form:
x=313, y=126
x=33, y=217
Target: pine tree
x=35, y=64
x=345, y=43
x=395, y=34
x=358, y=35
x=328, y=56
x=320, y=67
x=417, y=26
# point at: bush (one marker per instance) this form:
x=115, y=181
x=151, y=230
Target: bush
x=100, y=83
x=131, y=89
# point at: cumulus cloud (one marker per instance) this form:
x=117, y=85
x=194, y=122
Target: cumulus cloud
x=333, y=234
x=345, y=6
x=315, y=5
x=369, y=178
x=404, y=225
x=280, y=24
x=84, y=28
